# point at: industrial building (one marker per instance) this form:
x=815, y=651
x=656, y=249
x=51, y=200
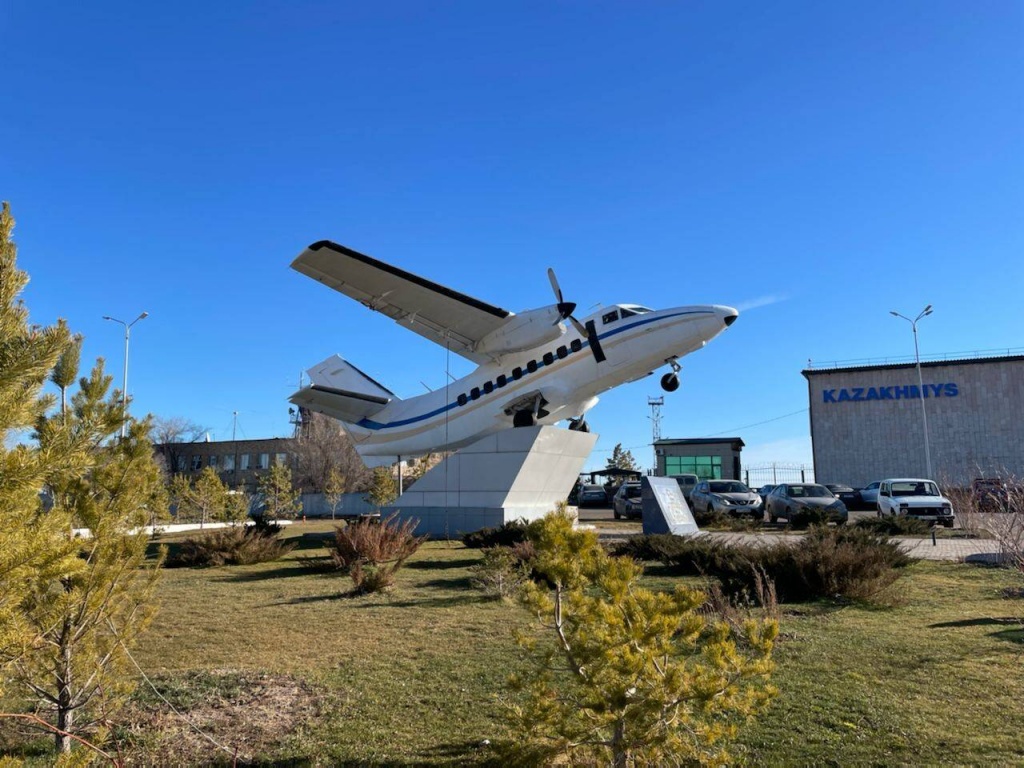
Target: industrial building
x=867, y=421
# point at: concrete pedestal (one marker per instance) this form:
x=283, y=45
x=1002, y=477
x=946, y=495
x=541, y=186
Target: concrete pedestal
x=514, y=474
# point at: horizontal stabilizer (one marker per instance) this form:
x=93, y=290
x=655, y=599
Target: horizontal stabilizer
x=342, y=391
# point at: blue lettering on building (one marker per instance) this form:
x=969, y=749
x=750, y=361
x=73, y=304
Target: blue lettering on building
x=891, y=392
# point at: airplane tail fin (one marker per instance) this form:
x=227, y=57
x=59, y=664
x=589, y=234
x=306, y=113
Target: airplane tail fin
x=342, y=391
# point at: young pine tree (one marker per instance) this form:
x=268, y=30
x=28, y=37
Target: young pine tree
x=85, y=619
x=207, y=499
x=383, y=488
x=281, y=501
x=35, y=544
x=622, y=675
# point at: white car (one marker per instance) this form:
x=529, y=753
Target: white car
x=915, y=497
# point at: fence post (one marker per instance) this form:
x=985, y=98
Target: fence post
x=802, y=478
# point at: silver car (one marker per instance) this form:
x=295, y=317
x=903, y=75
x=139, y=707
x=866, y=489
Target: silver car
x=789, y=499
x=729, y=497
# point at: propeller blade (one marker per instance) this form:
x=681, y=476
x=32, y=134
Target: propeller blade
x=595, y=343
x=554, y=285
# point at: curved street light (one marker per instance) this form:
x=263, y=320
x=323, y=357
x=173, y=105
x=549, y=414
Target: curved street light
x=124, y=390
x=920, y=383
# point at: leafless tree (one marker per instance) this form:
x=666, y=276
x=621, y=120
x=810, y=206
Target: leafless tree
x=321, y=446
x=168, y=433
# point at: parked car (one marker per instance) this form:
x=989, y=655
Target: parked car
x=730, y=497
x=592, y=496
x=990, y=494
x=763, y=492
x=627, y=501
x=846, y=494
x=788, y=499
x=915, y=497
x=686, y=484
x=869, y=495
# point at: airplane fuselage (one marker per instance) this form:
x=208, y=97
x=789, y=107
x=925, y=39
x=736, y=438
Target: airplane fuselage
x=563, y=379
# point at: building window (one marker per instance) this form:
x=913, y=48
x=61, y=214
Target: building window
x=243, y=460
x=229, y=462
x=264, y=461
x=281, y=459
x=211, y=461
x=197, y=463
x=548, y=358
x=704, y=467
x=180, y=463
x=576, y=345
x=531, y=366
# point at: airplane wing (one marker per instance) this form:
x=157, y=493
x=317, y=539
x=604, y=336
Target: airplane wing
x=433, y=311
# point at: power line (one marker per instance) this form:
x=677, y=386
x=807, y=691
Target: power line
x=757, y=424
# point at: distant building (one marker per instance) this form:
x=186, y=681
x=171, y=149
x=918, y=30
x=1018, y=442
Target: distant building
x=239, y=463
x=866, y=421
x=710, y=458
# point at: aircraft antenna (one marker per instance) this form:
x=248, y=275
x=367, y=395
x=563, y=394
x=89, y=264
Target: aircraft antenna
x=655, y=403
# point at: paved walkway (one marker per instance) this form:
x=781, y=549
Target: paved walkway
x=954, y=549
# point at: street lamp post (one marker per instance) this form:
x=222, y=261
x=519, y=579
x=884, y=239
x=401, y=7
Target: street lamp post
x=920, y=383
x=124, y=390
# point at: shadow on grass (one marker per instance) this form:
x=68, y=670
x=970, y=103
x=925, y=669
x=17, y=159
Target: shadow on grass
x=310, y=540
x=1014, y=632
x=441, y=565
x=461, y=584
x=461, y=753
x=281, y=572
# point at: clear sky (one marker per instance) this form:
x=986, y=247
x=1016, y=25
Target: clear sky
x=813, y=164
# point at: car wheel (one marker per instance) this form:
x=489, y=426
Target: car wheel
x=617, y=515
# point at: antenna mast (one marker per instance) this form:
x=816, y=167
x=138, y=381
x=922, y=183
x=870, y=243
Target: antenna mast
x=655, y=403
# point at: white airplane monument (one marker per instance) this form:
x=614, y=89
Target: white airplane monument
x=535, y=369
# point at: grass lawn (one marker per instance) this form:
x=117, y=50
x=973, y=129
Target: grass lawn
x=272, y=660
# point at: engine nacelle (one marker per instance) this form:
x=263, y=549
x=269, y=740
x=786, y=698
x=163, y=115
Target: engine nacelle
x=524, y=331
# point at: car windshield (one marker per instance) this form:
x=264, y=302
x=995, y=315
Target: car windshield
x=686, y=481
x=809, y=491
x=915, y=488
x=723, y=486
x=839, y=488
x=632, y=491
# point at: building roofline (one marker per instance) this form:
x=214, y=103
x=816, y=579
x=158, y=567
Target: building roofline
x=808, y=372
x=700, y=441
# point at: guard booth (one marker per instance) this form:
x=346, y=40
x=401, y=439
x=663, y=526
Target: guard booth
x=710, y=458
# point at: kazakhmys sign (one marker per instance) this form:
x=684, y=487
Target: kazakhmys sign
x=905, y=392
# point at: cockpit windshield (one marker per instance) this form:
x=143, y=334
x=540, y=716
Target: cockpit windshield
x=628, y=310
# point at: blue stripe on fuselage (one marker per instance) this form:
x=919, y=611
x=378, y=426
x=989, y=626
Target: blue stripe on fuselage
x=369, y=424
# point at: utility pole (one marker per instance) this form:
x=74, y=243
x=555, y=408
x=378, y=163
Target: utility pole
x=655, y=403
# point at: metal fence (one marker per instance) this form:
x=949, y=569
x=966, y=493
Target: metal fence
x=778, y=472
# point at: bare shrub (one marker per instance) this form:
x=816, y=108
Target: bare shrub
x=371, y=551
x=237, y=545
x=737, y=610
x=894, y=525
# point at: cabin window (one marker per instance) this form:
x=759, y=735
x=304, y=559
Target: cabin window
x=463, y=399
x=562, y=352
x=548, y=358
x=517, y=373
x=474, y=393
x=501, y=381
x=488, y=387
x=576, y=345
x=628, y=312
x=610, y=317
x=531, y=366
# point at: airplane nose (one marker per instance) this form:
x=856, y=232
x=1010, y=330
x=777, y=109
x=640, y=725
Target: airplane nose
x=728, y=315
x=730, y=319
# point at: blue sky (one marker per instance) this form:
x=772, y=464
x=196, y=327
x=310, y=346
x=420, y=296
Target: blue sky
x=814, y=164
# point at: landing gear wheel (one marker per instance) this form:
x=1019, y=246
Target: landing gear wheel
x=579, y=425
x=670, y=382
x=522, y=419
